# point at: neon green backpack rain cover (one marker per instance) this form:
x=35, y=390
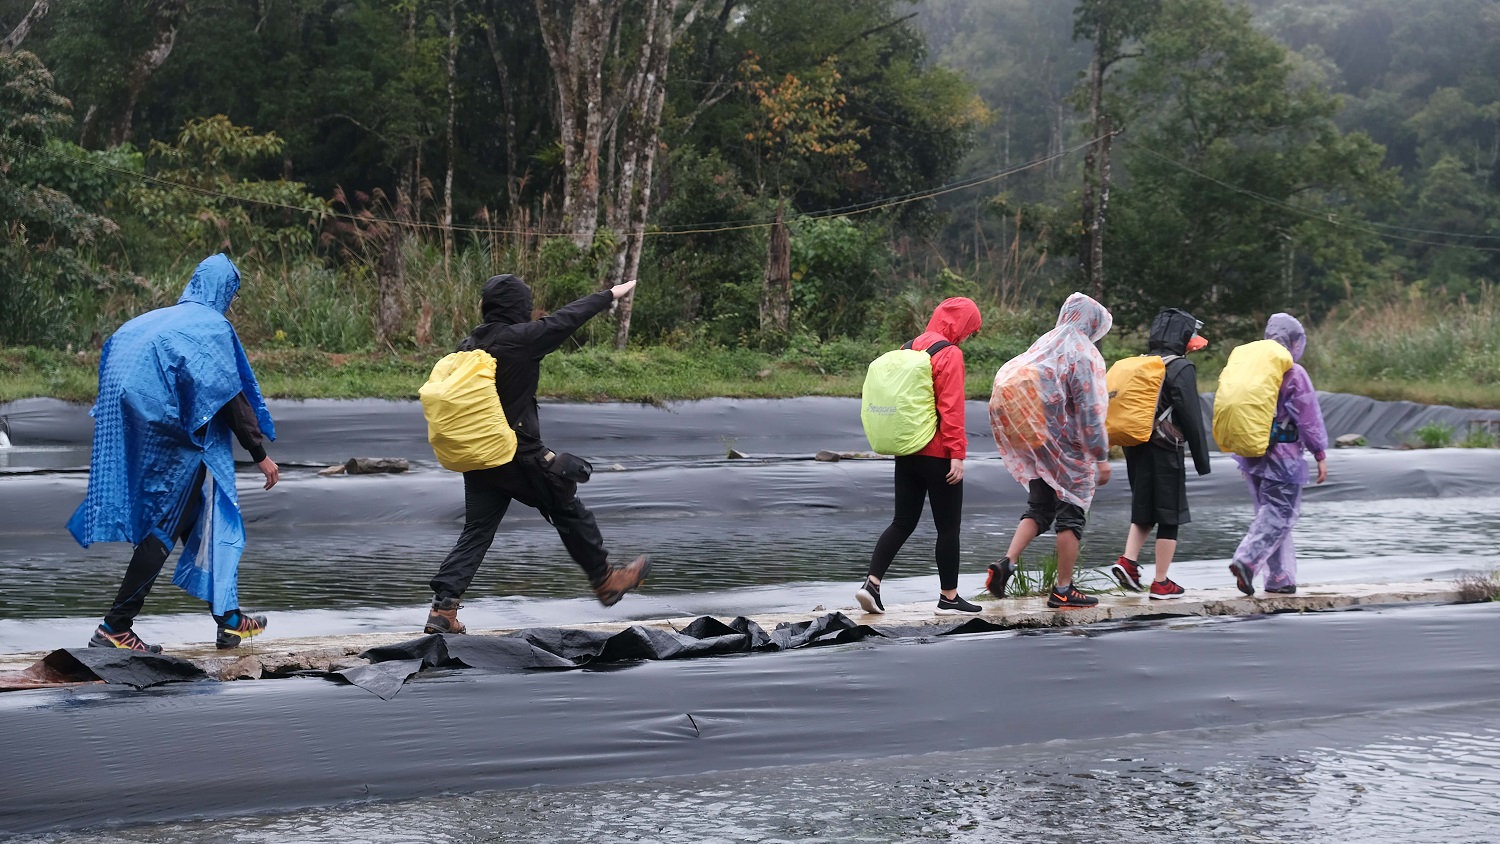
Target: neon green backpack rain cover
x=1245, y=403
x=897, y=406
x=466, y=425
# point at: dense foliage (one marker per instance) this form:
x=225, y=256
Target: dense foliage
x=369, y=162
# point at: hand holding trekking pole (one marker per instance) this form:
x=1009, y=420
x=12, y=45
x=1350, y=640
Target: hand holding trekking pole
x=268, y=468
x=1104, y=472
x=1322, y=471
x=620, y=291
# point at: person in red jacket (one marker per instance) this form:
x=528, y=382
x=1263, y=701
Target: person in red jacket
x=935, y=472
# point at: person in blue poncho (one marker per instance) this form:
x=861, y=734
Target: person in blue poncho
x=174, y=386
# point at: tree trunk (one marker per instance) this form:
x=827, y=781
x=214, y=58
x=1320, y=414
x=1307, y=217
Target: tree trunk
x=13, y=40
x=390, y=273
x=169, y=14
x=1090, y=217
x=452, y=114
x=776, y=291
x=576, y=53
x=508, y=104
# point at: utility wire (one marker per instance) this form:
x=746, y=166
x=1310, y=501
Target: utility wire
x=1365, y=227
x=692, y=228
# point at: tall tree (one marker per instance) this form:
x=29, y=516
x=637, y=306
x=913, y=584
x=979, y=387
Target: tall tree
x=577, y=36
x=1112, y=26
x=18, y=33
x=637, y=138
x=167, y=16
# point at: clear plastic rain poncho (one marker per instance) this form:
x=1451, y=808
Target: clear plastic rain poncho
x=1058, y=383
x=1276, y=480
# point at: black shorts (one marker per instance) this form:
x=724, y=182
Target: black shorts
x=1158, y=485
x=1044, y=507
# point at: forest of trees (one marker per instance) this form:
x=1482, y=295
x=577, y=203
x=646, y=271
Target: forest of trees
x=770, y=169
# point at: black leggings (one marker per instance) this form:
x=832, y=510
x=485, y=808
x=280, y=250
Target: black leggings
x=151, y=555
x=1162, y=531
x=919, y=477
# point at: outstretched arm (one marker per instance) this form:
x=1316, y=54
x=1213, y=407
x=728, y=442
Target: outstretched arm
x=542, y=337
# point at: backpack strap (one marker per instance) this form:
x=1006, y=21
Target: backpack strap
x=930, y=350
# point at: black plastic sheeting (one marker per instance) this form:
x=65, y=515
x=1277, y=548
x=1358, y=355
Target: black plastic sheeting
x=91, y=756
x=327, y=431
x=564, y=648
x=118, y=667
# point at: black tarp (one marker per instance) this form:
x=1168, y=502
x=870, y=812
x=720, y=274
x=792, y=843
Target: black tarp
x=119, y=667
x=565, y=647
x=90, y=756
x=327, y=431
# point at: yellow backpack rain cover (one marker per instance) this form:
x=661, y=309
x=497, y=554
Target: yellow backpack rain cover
x=1245, y=403
x=1134, y=386
x=465, y=423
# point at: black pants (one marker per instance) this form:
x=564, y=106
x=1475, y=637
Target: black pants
x=920, y=477
x=1044, y=507
x=152, y=553
x=487, y=495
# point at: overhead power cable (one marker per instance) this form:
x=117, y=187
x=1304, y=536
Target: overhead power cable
x=685, y=229
x=1364, y=226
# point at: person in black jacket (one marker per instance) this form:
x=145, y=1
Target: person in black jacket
x=537, y=476
x=1157, y=470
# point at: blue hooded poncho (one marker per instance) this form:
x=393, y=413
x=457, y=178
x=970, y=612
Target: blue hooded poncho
x=163, y=377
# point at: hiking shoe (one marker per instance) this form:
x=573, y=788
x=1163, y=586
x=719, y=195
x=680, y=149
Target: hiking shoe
x=957, y=606
x=1070, y=599
x=443, y=618
x=1242, y=577
x=1128, y=574
x=235, y=627
x=999, y=574
x=622, y=579
x=868, y=595
x=1165, y=590
x=126, y=639
x=1283, y=589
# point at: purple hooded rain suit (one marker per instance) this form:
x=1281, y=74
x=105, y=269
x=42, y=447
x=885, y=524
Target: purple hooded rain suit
x=1276, y=480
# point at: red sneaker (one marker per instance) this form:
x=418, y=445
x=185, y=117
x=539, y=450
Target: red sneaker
x=1128, y=574
x=1165, y=590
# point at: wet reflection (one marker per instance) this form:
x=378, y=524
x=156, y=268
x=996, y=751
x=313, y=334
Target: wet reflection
x=335, y=567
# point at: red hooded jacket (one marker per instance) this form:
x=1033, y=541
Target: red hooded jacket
x=954, y=320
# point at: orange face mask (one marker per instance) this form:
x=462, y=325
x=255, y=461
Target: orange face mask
x=1196, y=342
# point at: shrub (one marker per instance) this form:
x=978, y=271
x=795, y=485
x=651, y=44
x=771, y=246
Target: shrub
x=1434, y=435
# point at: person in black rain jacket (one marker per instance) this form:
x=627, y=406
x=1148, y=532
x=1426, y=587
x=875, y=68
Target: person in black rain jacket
x=1157, y=469
x=537, y=477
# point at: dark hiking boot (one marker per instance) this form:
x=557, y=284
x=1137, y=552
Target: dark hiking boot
x=1283, y=589
x=1070, y=599
x=956, y=605
x=235, y=627
x=998, y=576
x=1165, y=590
x=1242, y=577
x=1127, y=574
x=622, y=579
x=868, y=596
x=443, y=618
x=126, y=639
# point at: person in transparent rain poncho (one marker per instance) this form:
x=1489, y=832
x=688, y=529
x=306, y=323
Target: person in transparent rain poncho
x=1047, y=414
x=1276, y=480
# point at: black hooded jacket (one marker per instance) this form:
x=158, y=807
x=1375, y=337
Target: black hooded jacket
x=1170, y=333
x=518, y=343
